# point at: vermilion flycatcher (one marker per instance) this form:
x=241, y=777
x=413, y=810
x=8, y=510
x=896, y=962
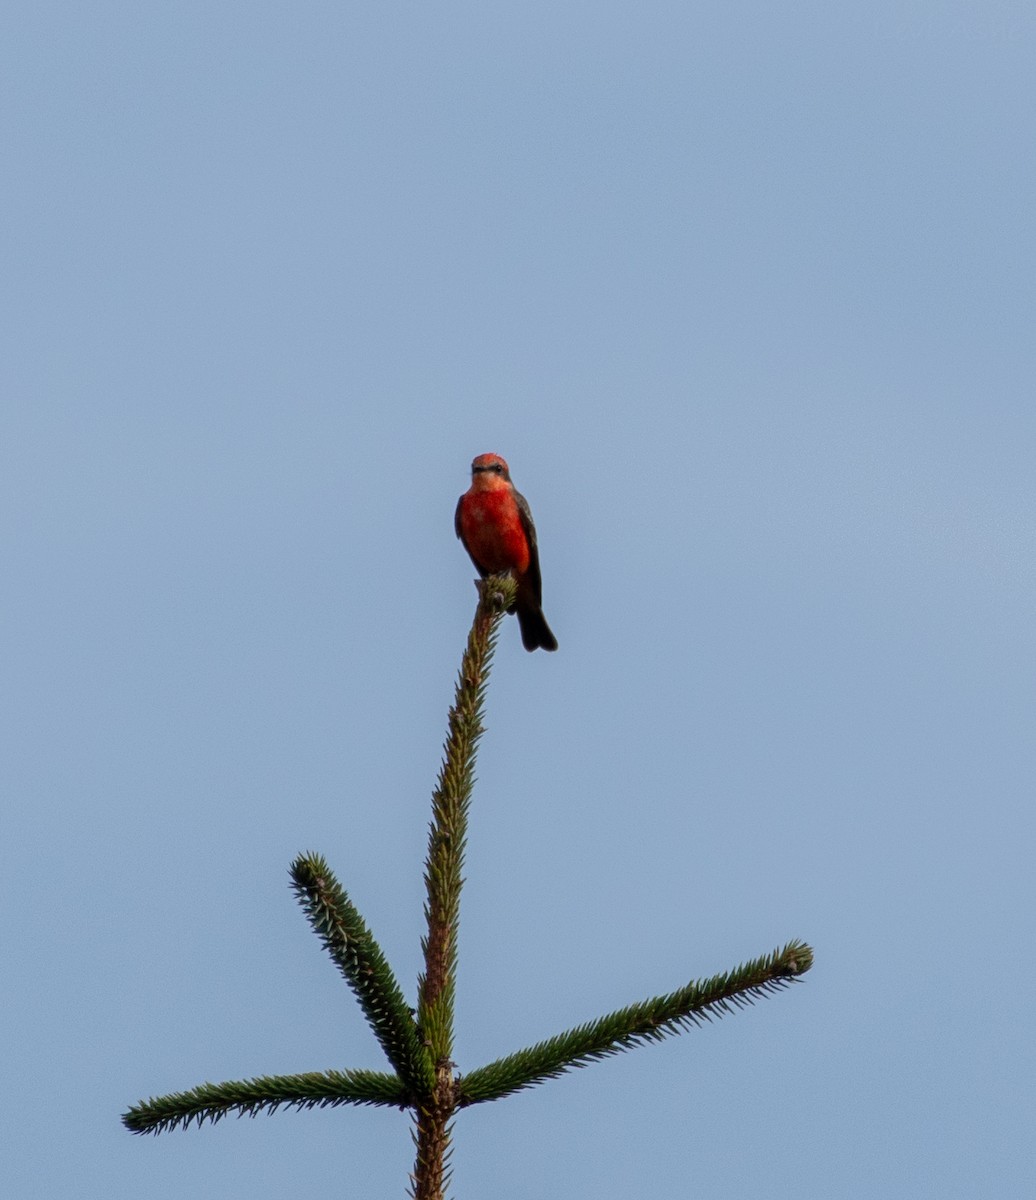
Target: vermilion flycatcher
x=495, y=525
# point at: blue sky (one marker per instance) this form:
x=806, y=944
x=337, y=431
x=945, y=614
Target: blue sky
x=745, y=296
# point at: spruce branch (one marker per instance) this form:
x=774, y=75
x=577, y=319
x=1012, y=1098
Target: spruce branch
x=448, y=830
x=338, y=924
x=648, y=1021
x=266, y=1093
x=420, y=1051
x=443, y=881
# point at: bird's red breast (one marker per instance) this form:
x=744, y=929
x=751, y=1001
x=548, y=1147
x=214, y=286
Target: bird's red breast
x=492, y=531
x=489, y=521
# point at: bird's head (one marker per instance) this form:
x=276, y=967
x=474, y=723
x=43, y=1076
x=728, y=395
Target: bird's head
x=489, y=473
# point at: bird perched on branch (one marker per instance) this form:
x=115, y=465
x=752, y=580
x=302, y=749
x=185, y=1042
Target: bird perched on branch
x=495, y=525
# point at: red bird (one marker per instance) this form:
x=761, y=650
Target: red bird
x=495, y=525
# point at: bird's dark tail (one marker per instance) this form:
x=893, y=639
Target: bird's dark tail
x=535, y=630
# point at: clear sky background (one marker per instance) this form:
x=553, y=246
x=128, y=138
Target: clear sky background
x=745, y=294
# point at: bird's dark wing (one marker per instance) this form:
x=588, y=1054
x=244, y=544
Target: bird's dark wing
x=531, y=583
x=456, y=520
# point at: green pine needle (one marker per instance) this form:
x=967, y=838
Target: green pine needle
x=356, y=954
x=649, y=1021
x=214, y=1101
x=448, y=833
